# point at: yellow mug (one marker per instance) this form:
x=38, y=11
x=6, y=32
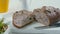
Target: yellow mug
x=4, y=6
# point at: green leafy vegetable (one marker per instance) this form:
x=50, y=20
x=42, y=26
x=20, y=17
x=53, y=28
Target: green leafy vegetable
x=2, y=26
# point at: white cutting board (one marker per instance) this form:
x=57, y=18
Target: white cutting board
x=15, y=5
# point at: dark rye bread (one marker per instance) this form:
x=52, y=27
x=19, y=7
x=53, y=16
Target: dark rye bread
x=47, y=15
x=22, y=18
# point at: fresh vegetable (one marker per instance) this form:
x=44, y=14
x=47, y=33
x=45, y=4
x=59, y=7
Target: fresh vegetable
x=3, y=26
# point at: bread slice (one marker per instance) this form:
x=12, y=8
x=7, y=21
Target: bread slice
x=47, y=15
x=22, y=17
x=40, y=16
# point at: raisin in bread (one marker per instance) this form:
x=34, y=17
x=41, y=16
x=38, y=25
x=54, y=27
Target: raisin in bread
x=21, y=18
